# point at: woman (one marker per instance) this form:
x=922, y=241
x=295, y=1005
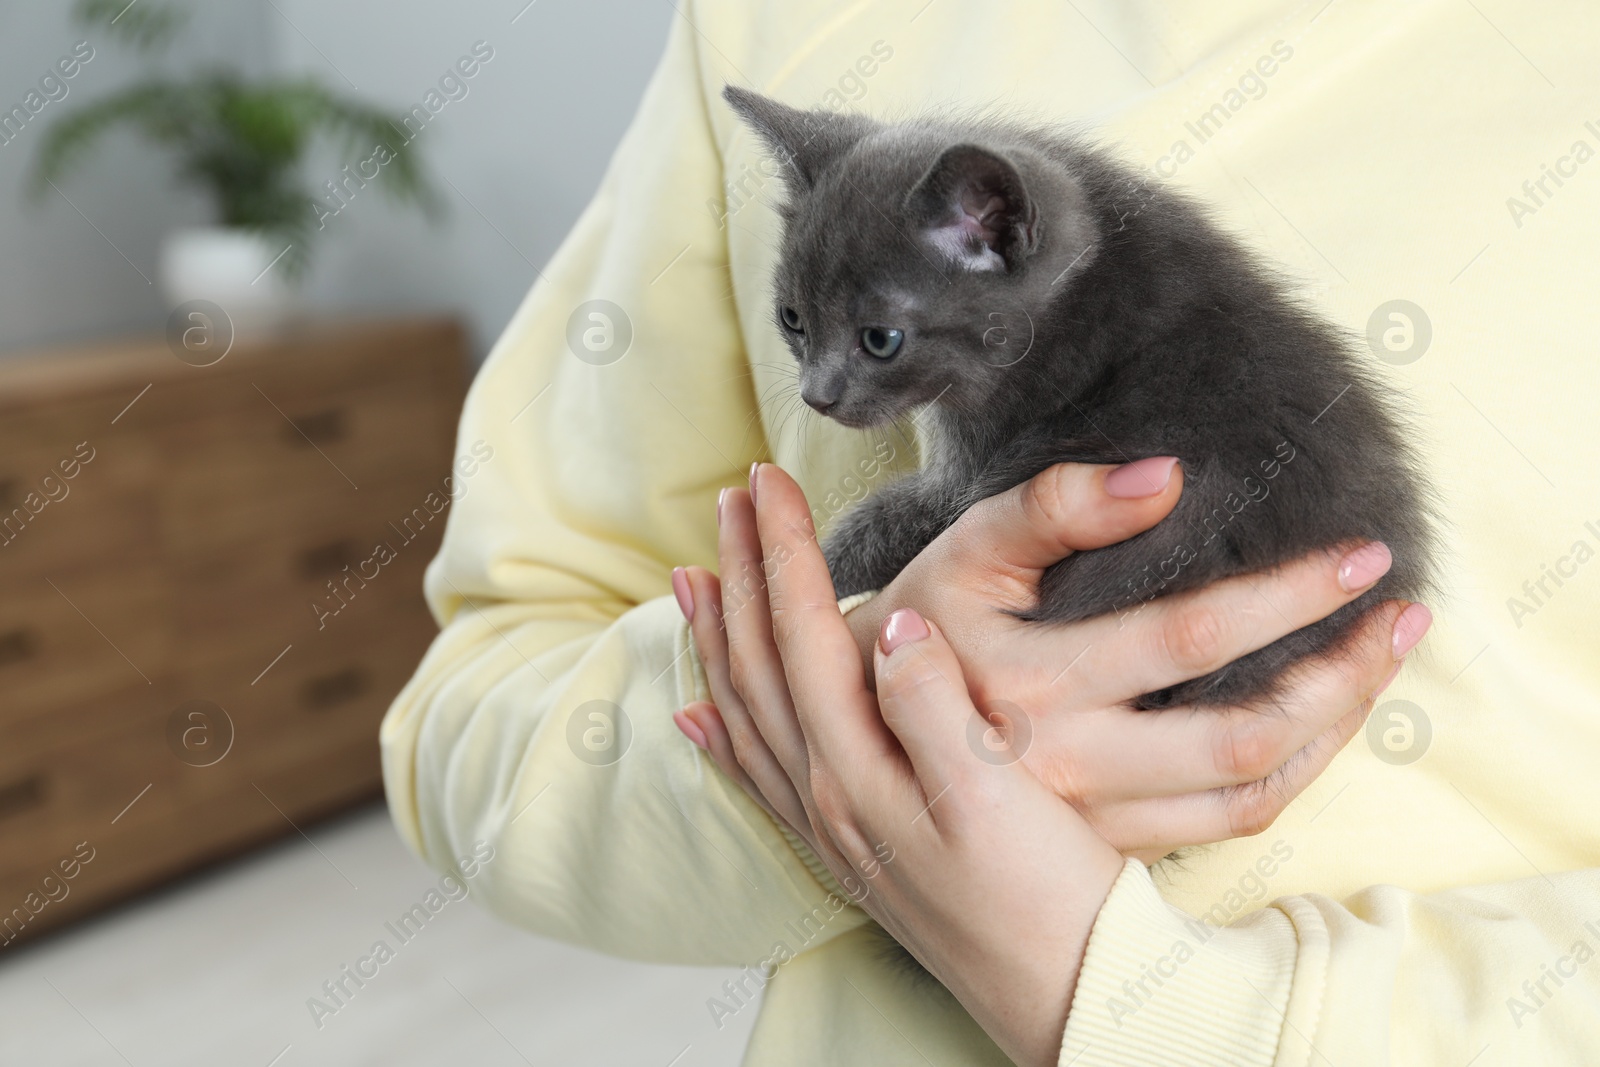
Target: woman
x=1441, y=866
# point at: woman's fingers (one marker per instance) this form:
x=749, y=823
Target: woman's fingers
x=1187, y=635
x=922, y=694
x=1336, y=693
x=1067, y=508
x=775, y=794
x=1154, y=827
x=818, y=654
x=1190, y=750
x=753, y=664
x=994, y=554
x=746, y=747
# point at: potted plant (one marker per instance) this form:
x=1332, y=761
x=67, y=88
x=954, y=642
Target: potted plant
x=243, y=143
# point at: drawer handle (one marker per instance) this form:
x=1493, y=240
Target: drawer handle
x=340, y=687
x=17, y=646
x=318, y=428
x=331, y=558
x=19, y=798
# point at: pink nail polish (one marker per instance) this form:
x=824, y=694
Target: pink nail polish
x=720, y=498
x=754, y=467
x=690, y=729
x=681, y=590
x=1146, y=477
x=1409, y=628
x=1364, y=566
x=901, y=627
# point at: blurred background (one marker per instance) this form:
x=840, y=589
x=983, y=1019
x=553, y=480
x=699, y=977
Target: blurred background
x=516, y=158
x=237, y=318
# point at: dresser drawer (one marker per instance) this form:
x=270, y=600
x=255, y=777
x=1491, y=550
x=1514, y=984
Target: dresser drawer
x=254, y=475
x=144, y=816
x=300, y=742
x=301, y=366
x=57, y=425
x=326, y=693
x=113, y=632
x=279, y=591
x=306, y=537
x=26, y=731
x=54, y=796
x=71, y=491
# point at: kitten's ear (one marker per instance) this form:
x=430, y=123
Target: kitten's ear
x=804, y=141
x=973, y=207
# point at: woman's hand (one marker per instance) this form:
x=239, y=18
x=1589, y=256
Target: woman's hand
x=1147, y=782
x=972, y=864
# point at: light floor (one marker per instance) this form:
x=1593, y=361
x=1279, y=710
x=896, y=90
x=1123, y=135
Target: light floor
x=217, y=971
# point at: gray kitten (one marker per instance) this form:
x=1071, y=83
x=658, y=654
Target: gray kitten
x=1045, y=304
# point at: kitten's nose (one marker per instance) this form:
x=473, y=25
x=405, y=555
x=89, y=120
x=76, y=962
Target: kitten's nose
x=822, y=389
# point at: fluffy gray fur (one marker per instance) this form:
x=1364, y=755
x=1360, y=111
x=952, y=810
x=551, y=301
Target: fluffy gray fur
x=1054, y=306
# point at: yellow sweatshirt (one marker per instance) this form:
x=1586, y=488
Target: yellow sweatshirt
x=1427, y=172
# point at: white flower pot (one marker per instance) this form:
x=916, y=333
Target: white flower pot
x=238, y=270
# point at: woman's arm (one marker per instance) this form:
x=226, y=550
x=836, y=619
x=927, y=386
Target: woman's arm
x=552, y=586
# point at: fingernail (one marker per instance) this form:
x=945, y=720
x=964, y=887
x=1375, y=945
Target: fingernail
x=690, y=729
x=1409, y=628
x=681, y=590
x=1146, y=477
x=900, y=627
x=754, y=467
x=1364, y=566
x=720, y=498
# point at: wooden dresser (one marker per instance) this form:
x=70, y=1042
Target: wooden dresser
x=210, y=590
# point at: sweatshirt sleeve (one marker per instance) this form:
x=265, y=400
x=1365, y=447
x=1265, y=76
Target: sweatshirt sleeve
x=1504, y=972
x=592, y=447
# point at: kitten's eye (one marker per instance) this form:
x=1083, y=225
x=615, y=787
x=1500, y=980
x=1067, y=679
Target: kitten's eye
x=881, y=341
x=791, y=319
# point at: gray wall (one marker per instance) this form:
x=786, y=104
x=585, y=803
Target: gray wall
x=525, y=146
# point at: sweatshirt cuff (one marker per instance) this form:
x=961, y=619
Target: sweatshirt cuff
x=1158, y=986
x=855, y=600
